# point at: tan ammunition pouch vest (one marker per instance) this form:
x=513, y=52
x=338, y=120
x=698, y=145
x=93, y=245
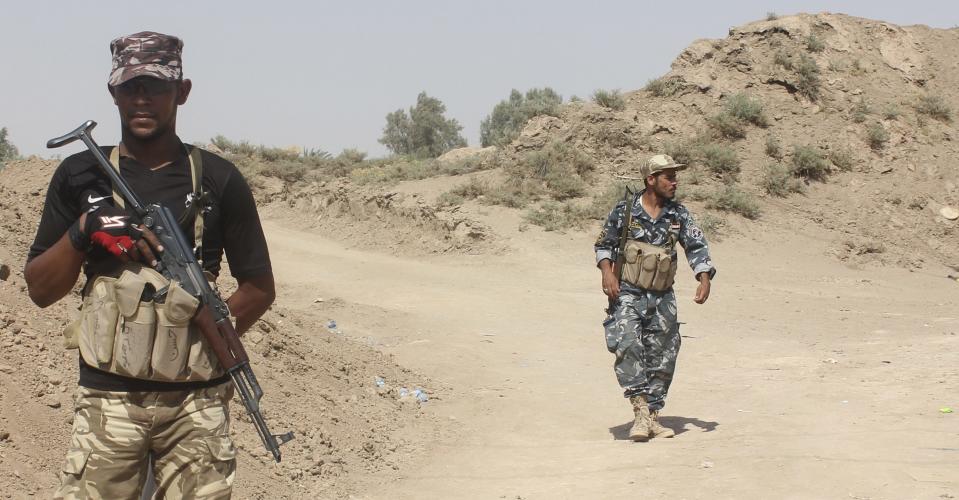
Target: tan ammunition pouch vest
x=123, y=330
x=647, y=266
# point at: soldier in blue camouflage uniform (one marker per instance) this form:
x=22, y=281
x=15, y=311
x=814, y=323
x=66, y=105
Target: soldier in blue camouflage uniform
x=642, y=329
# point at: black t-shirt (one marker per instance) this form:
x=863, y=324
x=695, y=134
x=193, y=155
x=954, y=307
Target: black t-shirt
x=231, y=225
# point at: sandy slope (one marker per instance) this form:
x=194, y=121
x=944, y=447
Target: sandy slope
x=800, y=378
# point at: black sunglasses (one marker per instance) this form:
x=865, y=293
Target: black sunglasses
x=149, y=86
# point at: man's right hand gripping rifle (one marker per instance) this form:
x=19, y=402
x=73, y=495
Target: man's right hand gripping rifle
x=119, y=232
x=152, y=236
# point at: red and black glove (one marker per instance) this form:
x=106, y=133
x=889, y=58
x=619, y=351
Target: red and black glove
x=113, y=229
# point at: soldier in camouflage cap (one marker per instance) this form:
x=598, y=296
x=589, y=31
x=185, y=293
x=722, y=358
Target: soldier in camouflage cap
x=146, y=54
x=126, y=421
x=636, y=252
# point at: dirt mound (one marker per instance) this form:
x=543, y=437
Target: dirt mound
x=319, y=382
x=862, y=100
x=371, y=217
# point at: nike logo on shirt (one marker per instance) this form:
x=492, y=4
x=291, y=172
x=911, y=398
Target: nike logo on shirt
x=91, y=199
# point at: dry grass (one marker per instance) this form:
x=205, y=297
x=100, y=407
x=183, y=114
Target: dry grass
x=934, y=106
x=663, y=87
x=611, y=99
x=735, y=200
x=779, y=181
x=808, y=162
x=877, y=136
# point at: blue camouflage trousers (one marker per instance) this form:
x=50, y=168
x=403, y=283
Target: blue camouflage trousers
x=643, y=332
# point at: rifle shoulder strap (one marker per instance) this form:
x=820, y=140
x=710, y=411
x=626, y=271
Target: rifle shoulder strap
x=196, y=197
x=623, y=235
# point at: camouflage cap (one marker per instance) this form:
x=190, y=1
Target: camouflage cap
x=658, y=163
x=146, y=54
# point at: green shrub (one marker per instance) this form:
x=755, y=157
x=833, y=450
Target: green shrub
x=746, y=108
x=808, y=72
x=733, y=199
x=877, y=136
x=684, y=151
x=808, y=161
x=664, y=87
x=395, y=171
x=449, y=199
x=814, y=43
x=891, y=112
x=561, y=167
x=738, y=110
x=727, y=126
x=558, y=171
x=721, y=160
x=510, y=115
x=7, y=150
x=424, y=132
x=242, y=148
x=779, y=181
x=266, y=153
x=555, y=216
x=562, y=186
x=472, y=189
x=842, y=158
x=611, y=99
x=773, y=147
x=784, y=59
x=351, y=155
x=288, y=171
x=935, y=106
x=771, y=16
x=465, y=165
x=515, y=194
x=860, y=110
x=319, y=154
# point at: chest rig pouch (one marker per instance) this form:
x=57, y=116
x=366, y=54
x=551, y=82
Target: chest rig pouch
x=136, y=323
x=648, y=266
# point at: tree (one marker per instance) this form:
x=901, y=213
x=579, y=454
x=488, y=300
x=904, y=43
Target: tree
x=7, y=150
x=509, y=116
x=423, y=132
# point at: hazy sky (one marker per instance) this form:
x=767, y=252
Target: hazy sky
x=325, y=74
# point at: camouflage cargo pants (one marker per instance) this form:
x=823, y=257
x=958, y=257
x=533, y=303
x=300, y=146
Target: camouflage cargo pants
x=643, y=332
x=187, y=433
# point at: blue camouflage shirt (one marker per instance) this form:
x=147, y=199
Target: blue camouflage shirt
x=673, y=218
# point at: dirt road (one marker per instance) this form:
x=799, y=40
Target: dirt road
x=800, y=378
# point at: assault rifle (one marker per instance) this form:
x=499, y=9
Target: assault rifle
x=178, y=263
x=619, y=253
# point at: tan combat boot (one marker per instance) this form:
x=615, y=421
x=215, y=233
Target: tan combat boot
x=640, y=430
x=657, y=429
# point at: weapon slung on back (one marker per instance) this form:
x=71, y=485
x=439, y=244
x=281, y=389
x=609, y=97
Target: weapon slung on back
x=178, y=263
x=620, y=252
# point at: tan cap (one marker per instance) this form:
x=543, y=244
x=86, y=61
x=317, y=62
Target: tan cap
x=658, y=163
